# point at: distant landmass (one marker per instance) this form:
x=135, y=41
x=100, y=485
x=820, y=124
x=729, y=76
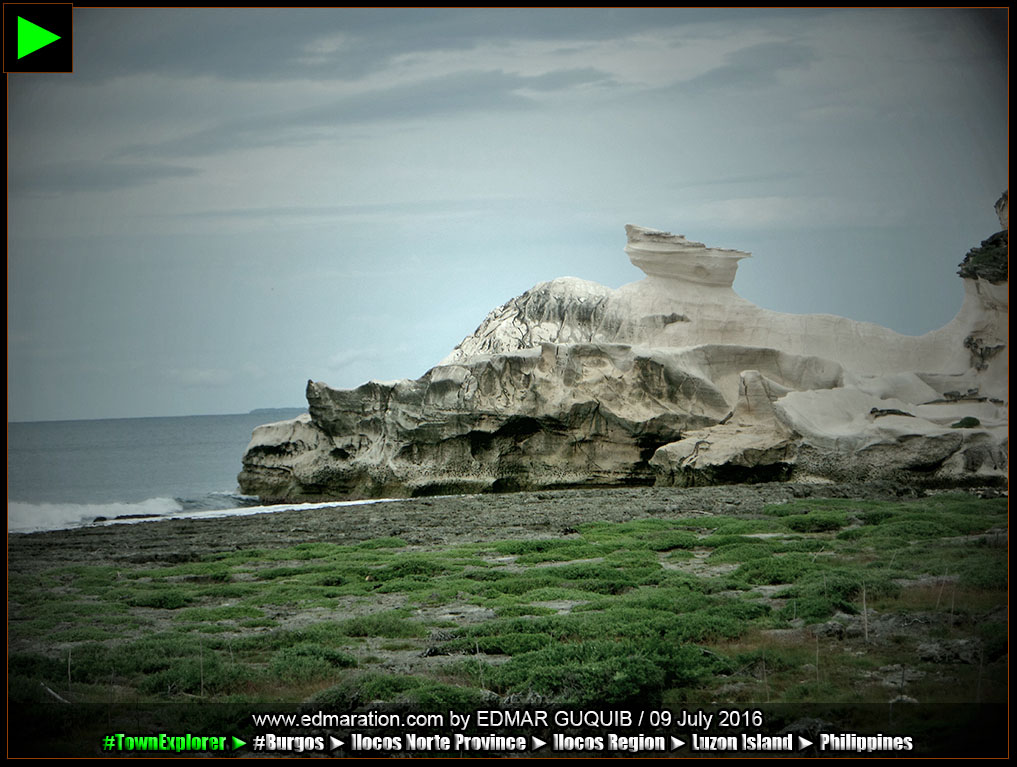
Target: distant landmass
x=289, y=412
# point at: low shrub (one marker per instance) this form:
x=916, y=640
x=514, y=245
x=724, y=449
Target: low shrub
x=305, y=661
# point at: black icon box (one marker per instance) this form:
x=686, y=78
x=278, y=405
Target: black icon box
x=55, y=18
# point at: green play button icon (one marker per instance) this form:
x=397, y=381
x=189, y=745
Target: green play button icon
x=39, y=38
x=32, y=37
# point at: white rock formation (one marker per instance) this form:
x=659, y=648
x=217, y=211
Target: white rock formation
x=674, y=378
x=695, y=304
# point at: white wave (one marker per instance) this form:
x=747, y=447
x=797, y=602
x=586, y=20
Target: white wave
x=35, y=517
x=247, y=511
x=39, y=517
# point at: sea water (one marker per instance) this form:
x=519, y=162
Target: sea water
x=64, y=474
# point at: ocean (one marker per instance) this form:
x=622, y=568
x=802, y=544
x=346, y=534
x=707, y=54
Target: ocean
x=65, y=474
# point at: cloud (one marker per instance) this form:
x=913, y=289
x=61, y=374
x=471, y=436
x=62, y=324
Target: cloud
x=768, y=179
x=753, y=67
x=798, y=212
x=385, y=210
x=201, y=378
x=439, y=96
x=333, y=44
x=87, y=176
x=567, y=78
x=352, y=358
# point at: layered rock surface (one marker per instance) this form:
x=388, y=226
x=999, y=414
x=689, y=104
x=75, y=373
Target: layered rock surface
x=674, y=379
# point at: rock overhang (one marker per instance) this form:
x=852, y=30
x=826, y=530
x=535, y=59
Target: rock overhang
x=674, y=257
x=674, y=379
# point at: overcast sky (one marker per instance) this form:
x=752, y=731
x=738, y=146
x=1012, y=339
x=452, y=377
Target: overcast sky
x=218, y=205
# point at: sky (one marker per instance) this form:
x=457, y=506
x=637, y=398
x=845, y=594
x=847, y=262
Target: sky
x=218, y=205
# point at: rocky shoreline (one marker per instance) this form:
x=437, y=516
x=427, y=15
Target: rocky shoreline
x=812, y=597
x=419, y=521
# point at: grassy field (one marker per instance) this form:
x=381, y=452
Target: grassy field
x=816, y=601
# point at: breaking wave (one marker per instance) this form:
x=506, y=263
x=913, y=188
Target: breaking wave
x=34, y=517
x=25, y=517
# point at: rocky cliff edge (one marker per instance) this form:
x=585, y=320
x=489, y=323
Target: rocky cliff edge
x=674, y=379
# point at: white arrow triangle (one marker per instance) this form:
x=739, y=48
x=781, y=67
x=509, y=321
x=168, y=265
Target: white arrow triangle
x=537, y=742
x=333, y=743
x=675, y=743
x=803, y=743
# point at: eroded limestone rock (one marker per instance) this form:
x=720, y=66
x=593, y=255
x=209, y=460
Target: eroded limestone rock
x=674, y=379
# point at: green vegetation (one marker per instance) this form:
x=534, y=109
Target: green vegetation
x=967, y=422
x=654, y=611
x=988, y=261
